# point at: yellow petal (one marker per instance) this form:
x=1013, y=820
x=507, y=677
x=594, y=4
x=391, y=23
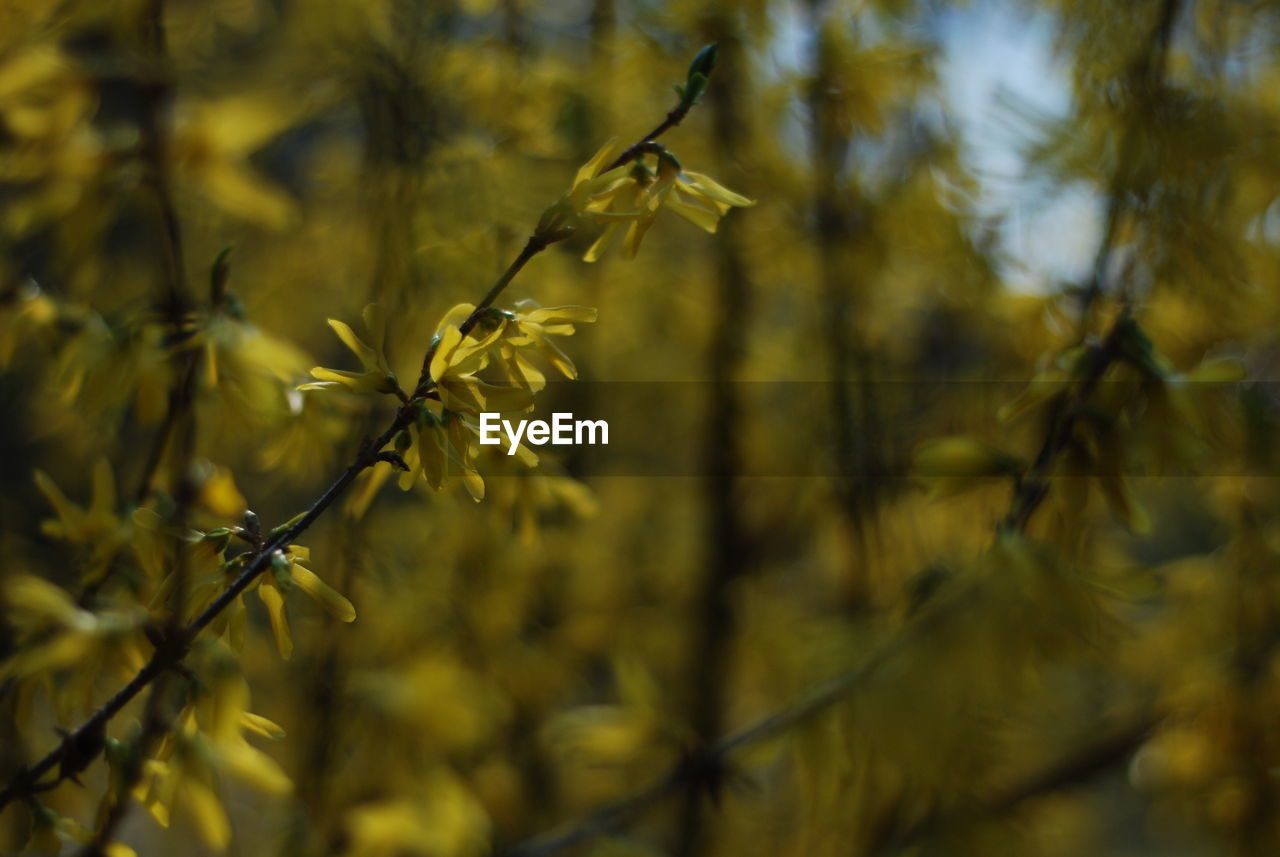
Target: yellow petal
x=375, y=323
x=716, y=191
x=260, y=725
x=66, y=511
x=339, y=607
x=104, y=490
x=1218, y=370
x=207, y=813
x=256, y=769
x=366, y=354
x=273, y=598
x=475, y=484
x=503, y=399
x=26, y=593
x=697, y=215
x=449, y=340
x=588, y=170
x=560, y=314
x=603, y=243
x=456, y=315
x=220, y=496
x=431, y=449
x=962, y=457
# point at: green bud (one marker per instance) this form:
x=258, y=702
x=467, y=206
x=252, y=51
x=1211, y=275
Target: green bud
x=704, y=61
x=403, y=441
x=282, y=571
x=251, y=522
x=697, y=86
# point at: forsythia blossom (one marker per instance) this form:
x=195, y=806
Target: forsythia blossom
x=377, y=377
x=629, y=197
x=697, y=198
x=526, y=333
x=286, y=572
x=589, y=195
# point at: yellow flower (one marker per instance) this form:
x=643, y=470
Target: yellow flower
x=589, y=194
x=213, y=144
x=526, y=333
x=57, y=634
x=184, y=772
x=377, y=377
x=99, y=362
x=438, y=438
x=249, y=369
x=49, y=831
x=23, y=313
x=51, y=155
x=94, y=528
x=457, y=359
x=697, y=198
x=442, y=817
x=285, y=573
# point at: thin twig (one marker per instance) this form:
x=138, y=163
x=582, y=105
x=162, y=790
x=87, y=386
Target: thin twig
x=1148, y=73
x=1033, y=486
x=694, y=771
x=1075, y=768
x=1071, y=769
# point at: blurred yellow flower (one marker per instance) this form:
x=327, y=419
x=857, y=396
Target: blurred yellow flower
x=213, y=143
x=57, y=633
x=443, y=819
x=377, y=377
x=96, y=528
x=184, y=772
x=23, y=312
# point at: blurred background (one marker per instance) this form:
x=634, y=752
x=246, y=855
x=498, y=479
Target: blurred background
x=954, y=202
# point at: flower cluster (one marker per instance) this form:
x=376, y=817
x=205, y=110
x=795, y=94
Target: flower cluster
x=207, y=741
x=627, y=199
x=496, y=366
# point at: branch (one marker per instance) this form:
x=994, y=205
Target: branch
x=1032, y=488
x=1148, y=72
x=708, y=766
x=1072, y=769
x=1033, y=485
x=79, y=747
